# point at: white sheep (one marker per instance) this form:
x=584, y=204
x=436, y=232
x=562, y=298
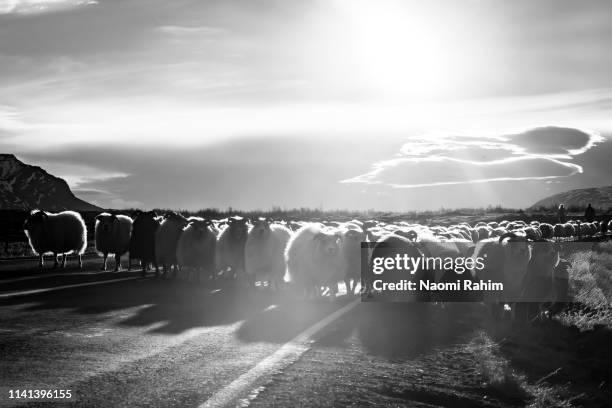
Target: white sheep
x=264, y=252
x=196, y=247
x=60, y=233
x=314, y=258
x=112, y=236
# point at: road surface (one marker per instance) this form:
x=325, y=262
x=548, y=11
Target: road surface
x=120, y=340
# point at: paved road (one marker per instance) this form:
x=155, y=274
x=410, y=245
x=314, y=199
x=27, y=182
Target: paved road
x=147, y=342
x=141, y=342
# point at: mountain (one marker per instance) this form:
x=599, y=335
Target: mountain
x=599, y=197
x=24, y=187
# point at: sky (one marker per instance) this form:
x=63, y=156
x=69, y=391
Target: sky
x=335, y=104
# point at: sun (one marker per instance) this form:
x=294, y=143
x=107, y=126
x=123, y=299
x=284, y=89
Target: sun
x=397, y=47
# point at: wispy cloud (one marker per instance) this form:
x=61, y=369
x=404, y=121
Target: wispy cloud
x=40, y=6
x=434, y=160
x=177, y=30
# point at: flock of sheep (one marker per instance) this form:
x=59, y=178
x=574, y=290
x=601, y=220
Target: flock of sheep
x=313, y=256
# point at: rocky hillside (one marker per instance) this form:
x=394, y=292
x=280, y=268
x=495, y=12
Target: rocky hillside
x=599, y=197
x=24, y=187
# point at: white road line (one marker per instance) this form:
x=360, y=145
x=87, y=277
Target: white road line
x=52, y=275
x=76, y=285
x=294, y=348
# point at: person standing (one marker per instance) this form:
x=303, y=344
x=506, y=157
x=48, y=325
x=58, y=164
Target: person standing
x=589, y=213
x=561, y=216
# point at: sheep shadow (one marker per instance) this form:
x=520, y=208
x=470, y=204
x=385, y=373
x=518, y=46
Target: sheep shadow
x=286, y=318
x=190, y=307
x=407, y=330
x=174, y=306
x=385, y=329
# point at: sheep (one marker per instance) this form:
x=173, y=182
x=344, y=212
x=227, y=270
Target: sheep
x=498, y=232
x=437, y=247
x=196, y=247
x=506, y=262
x=569, y=230
x=60, y=233
x=230, y=246
x=483, y=232
x=264, y=252
x=166, y=240
x=142, y=241
x=515, y=225
x=351, y=249
x=112, y=236
x=314, y=258
x=538, y=288
x=532, y=233
x=390, y=246
x=546, y=230
x=558, y=231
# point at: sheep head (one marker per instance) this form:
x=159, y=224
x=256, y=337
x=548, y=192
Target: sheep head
x=35, y=220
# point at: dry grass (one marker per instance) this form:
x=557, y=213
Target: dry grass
x=590, y=287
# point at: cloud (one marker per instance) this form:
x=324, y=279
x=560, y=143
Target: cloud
x=106, y=199
x=40, y=6
x=541, y=153
x=554, y=141
x=177, y=30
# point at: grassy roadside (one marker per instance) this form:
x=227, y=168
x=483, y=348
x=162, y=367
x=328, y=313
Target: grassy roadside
x=425, y=355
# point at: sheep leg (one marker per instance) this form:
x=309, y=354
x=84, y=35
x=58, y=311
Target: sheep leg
x=354, y=290
x=40, y=261
x=117, y=263
x=129, y=263
x=64, y=260
x=104, y=263
x=80, y=262
x=349, y=286
x=55, y=264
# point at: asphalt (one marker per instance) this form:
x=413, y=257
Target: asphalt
x=140, y=342
x=121, y=340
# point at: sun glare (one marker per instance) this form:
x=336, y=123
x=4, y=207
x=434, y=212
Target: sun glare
x=399, y=51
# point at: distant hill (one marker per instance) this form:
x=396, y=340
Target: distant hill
x=599, y=197
x=24, y=187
